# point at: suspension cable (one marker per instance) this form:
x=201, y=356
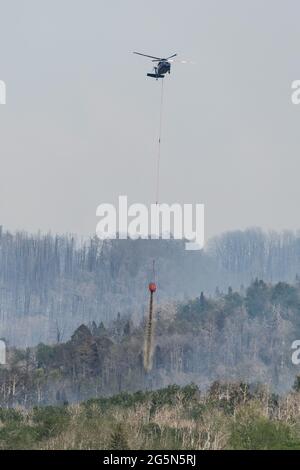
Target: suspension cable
x=148, y=347
x=159, y=140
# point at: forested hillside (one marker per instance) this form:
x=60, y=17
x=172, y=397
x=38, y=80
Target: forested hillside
x=238, y=336
x=49, y=285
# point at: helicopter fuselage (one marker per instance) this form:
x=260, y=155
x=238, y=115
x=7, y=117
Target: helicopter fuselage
x=161, y=69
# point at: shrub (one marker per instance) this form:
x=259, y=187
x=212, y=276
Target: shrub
x=50, y=420
x=260, y=433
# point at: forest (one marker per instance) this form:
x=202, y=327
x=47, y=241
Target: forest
x=73, y=317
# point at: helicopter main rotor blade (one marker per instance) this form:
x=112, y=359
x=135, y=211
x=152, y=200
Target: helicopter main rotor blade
x=165, y=58
x=170, y=57
x=145, y=55
x=184, y=61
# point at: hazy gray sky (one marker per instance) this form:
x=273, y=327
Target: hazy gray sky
x=81, y=119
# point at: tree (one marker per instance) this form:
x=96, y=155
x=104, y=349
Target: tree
x=118, y=439
x=296, y=385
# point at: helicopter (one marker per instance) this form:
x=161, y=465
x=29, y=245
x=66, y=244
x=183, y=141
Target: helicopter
x=163, y=65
